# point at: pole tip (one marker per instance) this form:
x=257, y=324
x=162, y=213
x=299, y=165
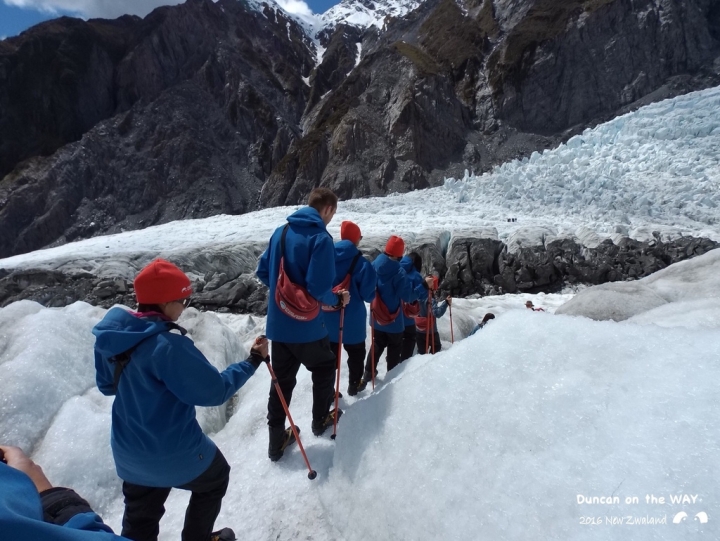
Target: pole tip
x=333, y=436
x=312, y=475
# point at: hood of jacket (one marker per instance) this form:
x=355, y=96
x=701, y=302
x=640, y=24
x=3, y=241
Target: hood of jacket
x=344, y=250
x=120, y=331
x=306, y=217
x=385, y=266
x=407, y=264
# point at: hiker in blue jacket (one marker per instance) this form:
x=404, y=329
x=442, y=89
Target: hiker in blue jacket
x=309, y=262
x=362, y=289
x=412, y=265
x=158, y=377
x=31, y=508
x=430, y=342
x=393, y=287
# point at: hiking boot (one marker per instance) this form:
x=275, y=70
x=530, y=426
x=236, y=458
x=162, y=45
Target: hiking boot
x=352, y=389
x=319, y=427
x=360, y=386
x=226, y=534
x=280, y=438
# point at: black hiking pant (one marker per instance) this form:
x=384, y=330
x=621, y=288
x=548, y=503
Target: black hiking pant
x=145, y=506
x=356, y=356
x=421, y=340
x=408, y=344
x=390, y=340
x=320, y=360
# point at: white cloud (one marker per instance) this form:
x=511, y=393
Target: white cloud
x=107, y=9
x=295, y=7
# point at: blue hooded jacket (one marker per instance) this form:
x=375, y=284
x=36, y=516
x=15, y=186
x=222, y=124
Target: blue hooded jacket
x=156, y=439
x=362, y=290
x=393, y=286
x=21, y=515
x=416, y=282
x=310, y=263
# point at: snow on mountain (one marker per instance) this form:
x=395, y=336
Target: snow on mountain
x=654, y=170
x=366, y=13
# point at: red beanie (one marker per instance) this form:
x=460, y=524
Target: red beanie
x=350, y=231
x=161, y=281
x=395, y=246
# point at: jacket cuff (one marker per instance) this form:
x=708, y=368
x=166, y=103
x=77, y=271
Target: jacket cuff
x=255, y=360
x=61, y=504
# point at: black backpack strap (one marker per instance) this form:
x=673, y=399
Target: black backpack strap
x=354, y=262
x=122, y=359
x=282, y=240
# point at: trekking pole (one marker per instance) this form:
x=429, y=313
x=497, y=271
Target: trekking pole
x=432, y=321
x=312, y=473
x=427, y=319
x=452, y=335
x=372, y=345
x=339, y=364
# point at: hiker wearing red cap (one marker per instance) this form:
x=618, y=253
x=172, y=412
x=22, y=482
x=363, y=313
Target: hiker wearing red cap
x=393, y=287
x=158, y=377
x=349, y=262
x=299, y=268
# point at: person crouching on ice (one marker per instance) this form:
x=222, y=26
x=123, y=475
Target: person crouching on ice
x=158, y=376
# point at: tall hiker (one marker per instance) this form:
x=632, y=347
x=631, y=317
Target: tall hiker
x=350, y=263
x=393, y=287
x=158, y=377
x=299, y=268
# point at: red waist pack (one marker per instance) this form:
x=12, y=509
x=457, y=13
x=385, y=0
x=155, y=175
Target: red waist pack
x=380, y=311
x=421, y=323
x=292, y=299
x=411, y=309
x=345, y=284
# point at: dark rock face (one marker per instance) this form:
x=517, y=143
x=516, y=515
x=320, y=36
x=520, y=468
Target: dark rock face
x=203, y=108
x=485, y=266
x=188, y=123
x=469, y=266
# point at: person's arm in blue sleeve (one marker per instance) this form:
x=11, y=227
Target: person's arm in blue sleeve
x=263, y=269
x=104, y=375
x=367, y=282
x=321, y=271
x=420, y=289
x=192, y=378
x=31, y=508
x=404, y=287
x=439, y=309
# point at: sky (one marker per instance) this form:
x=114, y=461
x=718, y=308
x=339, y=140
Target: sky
x=19, y=15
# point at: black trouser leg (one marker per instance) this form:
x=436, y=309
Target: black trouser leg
x=144, y=507
x=319, y=359
x=394, y=349
x=286, y=366
x=380, y=343
x=356, y=356
x=408, y=344
x=208, y=490
x=421, y=340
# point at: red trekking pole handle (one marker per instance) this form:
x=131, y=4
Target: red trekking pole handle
x=339, y=364
x=312, y=473
x=452, y=335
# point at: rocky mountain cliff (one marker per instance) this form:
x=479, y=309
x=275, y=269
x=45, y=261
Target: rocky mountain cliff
x=208, y=108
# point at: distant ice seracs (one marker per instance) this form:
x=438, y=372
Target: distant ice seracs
x=660, y=163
